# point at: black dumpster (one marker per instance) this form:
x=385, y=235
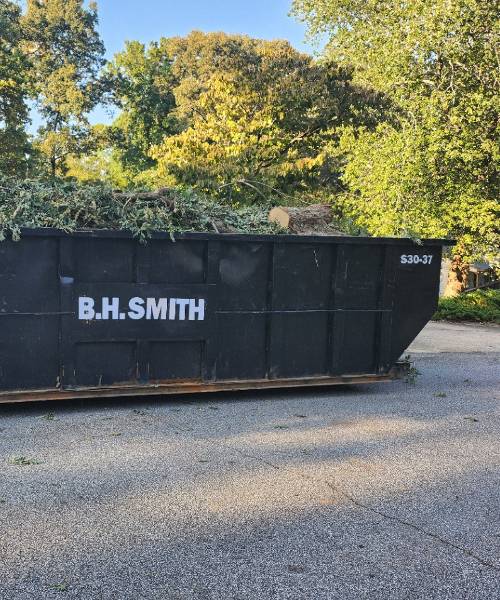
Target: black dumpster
x=99, y=313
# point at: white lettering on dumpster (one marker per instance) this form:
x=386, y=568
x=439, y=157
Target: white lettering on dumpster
x=86, y=308
x=151, y=309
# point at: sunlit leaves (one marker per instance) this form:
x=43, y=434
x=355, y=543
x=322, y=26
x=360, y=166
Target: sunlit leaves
x=434, y=171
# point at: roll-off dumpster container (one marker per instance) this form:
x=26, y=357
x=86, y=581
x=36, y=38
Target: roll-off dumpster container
x=102, y=314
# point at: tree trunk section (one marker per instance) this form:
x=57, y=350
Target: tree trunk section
x=457, y=277
x=314, y=219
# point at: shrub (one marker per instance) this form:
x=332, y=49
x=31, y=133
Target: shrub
x=480, y=305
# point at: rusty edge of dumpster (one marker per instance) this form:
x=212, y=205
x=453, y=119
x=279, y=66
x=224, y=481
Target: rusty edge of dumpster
x=193, y=387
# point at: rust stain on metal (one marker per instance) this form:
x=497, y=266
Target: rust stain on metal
x=186, y=387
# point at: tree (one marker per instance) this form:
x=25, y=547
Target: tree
x=66, y=55
x=13, y=92
x=256, y=118
x=104, y=164
x=143, y=88
x=435, y=170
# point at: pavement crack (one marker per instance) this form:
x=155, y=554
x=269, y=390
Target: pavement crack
x=390, y=517
x=252, y=456
x=421, y=530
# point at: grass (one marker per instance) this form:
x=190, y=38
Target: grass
x=23, y=461
x=49, y=417
x=60, y=587
x=411, y=372
x=481, y=305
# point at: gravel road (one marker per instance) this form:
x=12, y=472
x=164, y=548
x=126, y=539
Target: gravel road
x=383, y=491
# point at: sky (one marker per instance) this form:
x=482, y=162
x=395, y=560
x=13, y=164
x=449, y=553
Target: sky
x=149, y=20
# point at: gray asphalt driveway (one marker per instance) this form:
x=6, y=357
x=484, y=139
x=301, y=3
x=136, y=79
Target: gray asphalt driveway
x=381, y=491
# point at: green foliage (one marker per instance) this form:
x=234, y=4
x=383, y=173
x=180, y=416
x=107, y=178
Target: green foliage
x=434, y=171
x=23, y=461
x=66, y=53
x=69, y=206
x=480, y=305
x=143, y=88
x=257, y=119
x=237, y=118
x=401, y=184
x=13, y=91
x=100, y=166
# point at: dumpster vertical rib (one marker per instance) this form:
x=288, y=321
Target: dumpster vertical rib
x=67, y=375
x=385, y=305
x=339, y=281
x=211, y=344
x=331, y=307
x=142, y=259
x=269, y=309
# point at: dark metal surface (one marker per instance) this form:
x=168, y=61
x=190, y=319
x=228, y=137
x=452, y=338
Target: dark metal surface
x=95, y=313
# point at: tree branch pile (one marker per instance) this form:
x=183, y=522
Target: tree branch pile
x=70, y=206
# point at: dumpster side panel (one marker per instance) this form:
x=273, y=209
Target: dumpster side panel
x=242, y=323
x=175, y=360
x=359, y=349
x=241, y=341
x=140, y=342
x=299, y=345
x=302, y=276
x=29, y=314
x=299, y=328
x=363, y=305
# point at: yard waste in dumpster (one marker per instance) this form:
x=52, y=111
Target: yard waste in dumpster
x=98, y=313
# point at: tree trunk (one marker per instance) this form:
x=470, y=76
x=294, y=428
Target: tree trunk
x=53, y=165
x=457, y=277
x=314, y=219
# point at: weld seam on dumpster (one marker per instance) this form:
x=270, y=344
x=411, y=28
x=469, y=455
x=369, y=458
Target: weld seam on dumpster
x=35, y=314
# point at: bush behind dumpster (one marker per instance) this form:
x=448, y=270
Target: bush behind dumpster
x=480, y=305
x=71, y=206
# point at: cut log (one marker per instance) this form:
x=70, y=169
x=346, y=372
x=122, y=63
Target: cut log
x=314, y=219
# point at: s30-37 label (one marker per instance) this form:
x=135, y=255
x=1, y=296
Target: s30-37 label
x=416, y=259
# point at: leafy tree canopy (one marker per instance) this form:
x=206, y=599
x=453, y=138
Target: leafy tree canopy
x=13, y=92
x=256, y=118
x=142, y=85
x=66, y=54
x=436, y=171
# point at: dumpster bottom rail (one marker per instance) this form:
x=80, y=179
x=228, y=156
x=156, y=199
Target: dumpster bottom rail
x=195, y=387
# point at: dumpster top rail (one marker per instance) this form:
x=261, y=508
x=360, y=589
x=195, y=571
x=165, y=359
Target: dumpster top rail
x=327, y=239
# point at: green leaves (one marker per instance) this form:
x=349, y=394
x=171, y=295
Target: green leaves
x=433, y=171
x=69, y=206
x=142, y=85
x=480, y=305
x=237, y=118
x=13, y=92
x=66, y=55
